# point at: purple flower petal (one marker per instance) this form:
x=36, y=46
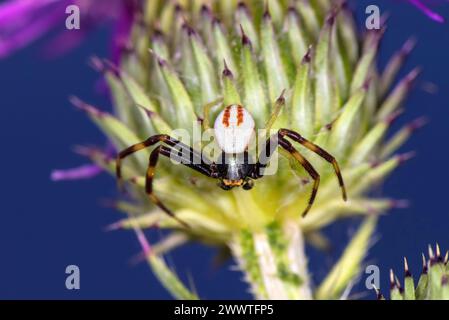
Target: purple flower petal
x=83, y=172
x=31, y=23
x=146, y=247
x=23, y=21
x=12, y=9
x=64, y=42
x=431, y=14
x=122, y=30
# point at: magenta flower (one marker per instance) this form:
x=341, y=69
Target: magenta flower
x=83, y=172
x=423, y=5
x=24, y=21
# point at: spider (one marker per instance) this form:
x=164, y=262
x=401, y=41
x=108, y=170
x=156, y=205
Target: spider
x=233, y=129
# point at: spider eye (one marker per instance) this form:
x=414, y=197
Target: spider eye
x=248, y=185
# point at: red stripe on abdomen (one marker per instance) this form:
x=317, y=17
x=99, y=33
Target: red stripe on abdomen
x=226, y=115
x=239, y=115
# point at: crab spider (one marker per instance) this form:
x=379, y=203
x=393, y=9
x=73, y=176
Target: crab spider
x=233, y=130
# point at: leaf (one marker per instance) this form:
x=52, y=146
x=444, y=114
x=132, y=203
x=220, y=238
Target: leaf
x=409, y=285
x=348, y=36
x=321, y=216
x=364, y=65
x=181, y=99
x=223, y=51
x=297, y=39
x=422, y=287
x=309, y=17
x=169, y=279
x=254, y=93
x=378, y=173
x=230, y=92
x=322, y=70
x=366, y=146
x=121, y=135
x=246, y=23
x=302, y=108
x=345, y=129
x=394, y=65
x=142, y=100
x=349, y=264
x=274, y=68
x=395, y=99
x=204, y=69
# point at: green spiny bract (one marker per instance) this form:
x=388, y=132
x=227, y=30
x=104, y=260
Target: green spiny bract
x=187, y=57
x=433, y=283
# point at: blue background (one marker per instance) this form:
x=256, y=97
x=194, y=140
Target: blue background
x=46, y=226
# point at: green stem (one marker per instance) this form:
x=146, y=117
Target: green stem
x=273, y=261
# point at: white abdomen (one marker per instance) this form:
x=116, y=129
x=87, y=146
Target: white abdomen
x=234, y=128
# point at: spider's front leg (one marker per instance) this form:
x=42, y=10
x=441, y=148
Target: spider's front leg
x=154, y=156
x=148, y=143
x=194, y=160
x=264, y=157
x=307, y=166
x=321, y=152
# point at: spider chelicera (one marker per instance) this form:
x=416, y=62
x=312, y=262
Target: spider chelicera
x=233, y=130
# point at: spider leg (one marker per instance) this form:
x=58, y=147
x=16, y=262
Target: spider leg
x=148, y=143
x=188, y=157
x=172, y=154
x=307, y=166
x=206, y=112
x=265, y=156
x=321, y=152
x=154, y=156
x=203, y=167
